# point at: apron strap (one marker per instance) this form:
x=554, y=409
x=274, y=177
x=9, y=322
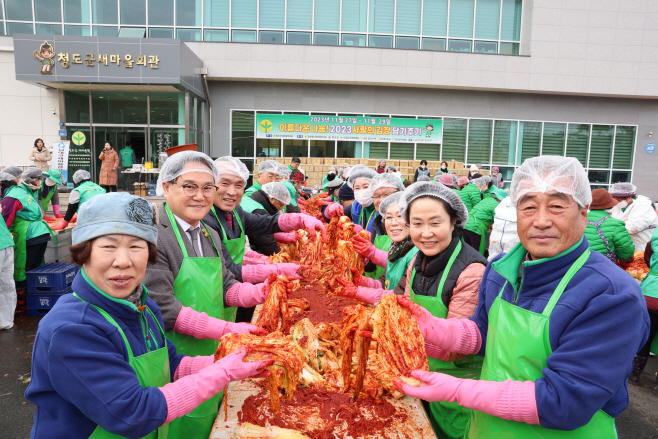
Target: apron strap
x=174, y=225
x=565, y=281
x=446, y=270
x=235, y=214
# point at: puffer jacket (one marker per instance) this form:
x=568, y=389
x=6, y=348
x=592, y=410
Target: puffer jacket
x=481, y=216
x=470, y=195
x=43, y=154
x=503, y=232
x=641, y=220
x=613, y=230
x=109, y=165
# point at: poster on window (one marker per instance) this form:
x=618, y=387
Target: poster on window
x=60, y=159
x=348, y=128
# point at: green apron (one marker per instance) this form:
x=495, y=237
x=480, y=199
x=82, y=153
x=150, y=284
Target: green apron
x=87, y=191
x=482, y=231
x=46, y=201
x=517, y=349
x=199, y=285
x=449, y=419
x=152, y=369
x=235, y=248
x=382, y=242
x=395, y=270
x=28, y=223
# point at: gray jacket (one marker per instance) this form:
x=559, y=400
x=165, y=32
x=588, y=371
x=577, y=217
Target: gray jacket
x=159, y=279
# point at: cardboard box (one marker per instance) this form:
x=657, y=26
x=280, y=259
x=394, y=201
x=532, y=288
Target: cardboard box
x=371, y=163
x=316, y=160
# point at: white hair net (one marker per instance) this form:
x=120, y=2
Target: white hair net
x=438, y=174
x=270, y=166
x=231, y=166
x=424, y=178
x=622, y=190
x=551, y=173
x=285, y=171
x=359, y=172
x=434, y=190
x=480, y=182
x=31, y=174
x=185, y=162
x=393, y=167
x=277, y=191
x=81, y=175
x=6, y=176
x=13, y=170
x=391, y=200
x=386, y=180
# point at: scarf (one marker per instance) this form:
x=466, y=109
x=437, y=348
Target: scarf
x=399, y=249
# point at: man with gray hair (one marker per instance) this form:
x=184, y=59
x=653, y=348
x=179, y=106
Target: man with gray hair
x=558, y=325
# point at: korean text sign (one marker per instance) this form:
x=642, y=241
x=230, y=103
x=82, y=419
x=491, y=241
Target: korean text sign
x=348, y=128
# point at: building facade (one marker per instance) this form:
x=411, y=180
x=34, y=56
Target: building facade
x=498, y=80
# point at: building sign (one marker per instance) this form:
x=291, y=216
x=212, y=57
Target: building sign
x=61, y=158
x=348, y=128
x=79, y=153
x=163, y=141
x=650, y=148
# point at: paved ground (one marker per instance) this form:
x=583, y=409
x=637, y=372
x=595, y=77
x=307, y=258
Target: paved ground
x=639, y=421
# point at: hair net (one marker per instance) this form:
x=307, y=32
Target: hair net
x=623, y=190
x=13, y=170
x=386, y=180
x=551, y=173
x=480, y=182
x=393, y=167
x=487, y=178
x=277, y=191
x=424, y=178
x=340, y=172
x=31, y=174
x=473, y=168
x=177, y=165
x=6, y=176
x=231, y=166
x=359, y=172
x=332, y=167
x=81, y=175
x=438, y=174
x=270, y=166
x=382, y=160
x=285, y=171
x=455, y=178
x=346, y=172
x=438, y=191
x=391, y=200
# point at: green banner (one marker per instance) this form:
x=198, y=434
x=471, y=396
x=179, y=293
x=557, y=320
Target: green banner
x=348, y=128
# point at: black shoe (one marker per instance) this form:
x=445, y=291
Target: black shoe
x=634, y=379
x=638, y=366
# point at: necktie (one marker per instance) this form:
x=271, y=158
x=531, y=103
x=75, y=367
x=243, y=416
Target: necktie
x=194, y=233
x=229, y=220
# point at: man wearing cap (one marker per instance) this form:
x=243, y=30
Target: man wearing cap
x=49, y=193
x=232, y=223
x=606, y=234
x=636, y=211
x=558, y=325
x=268, y=171
x=84, y=190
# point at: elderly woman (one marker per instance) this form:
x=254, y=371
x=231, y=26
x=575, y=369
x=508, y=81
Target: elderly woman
x=381, y=168
x=102, y=365
x=332, y=171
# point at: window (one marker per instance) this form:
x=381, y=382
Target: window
x=132, y=32
x=504, y=142
x=487, y=19
x=554, y=139
x=272, y=13
x=435, y=18
x=407, y=17
x=624, y=146
x=268, y=148
x=323, y=148
x=434, y=44
x=71, y=29
x=300, y=14
x=76, y=11
x=375, y=150
x=242, y=134
x=385, y=41
x=461, y=18
x=485, y=47
x=406, y=42
x=167, y=108
x=105, y=31
x=299, y=38
x=402, y=151
x=479, y=141
x=76, y=106
x=454, y=139
x=18, y=10
x=428, y=151
x=354, y=16
x=215, y=35
x=243, y=36
x=216, y=13
x=323, y=39
x=243, y=13
x=529, y=140
x=381, y=16
x=119, y=107
x=55, y=29
x=267, y=36
x=163, y=14
x=327, y=15
x=510, y=28
x=133, y=12
x=48, y=10
x=188, y=12
x=19, y=28
x=601, y=146
x=459, y=45
x=189, y=34
x=295, y=148
x=354, y=40
x=509, y=48
x=578, y=142
x=105, y=12
x=158, y=32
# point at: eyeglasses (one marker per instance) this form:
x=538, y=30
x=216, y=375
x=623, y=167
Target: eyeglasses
x=394, y=220
x=381, y=197
x=192, y=189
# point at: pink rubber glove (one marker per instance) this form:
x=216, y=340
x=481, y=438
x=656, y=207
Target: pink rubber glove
x=259, y=273
x=333, y=210
x=511, y=400
x=185, y=394
x=60, y=225
x=363, y=294
x=461, y=336
x=286, y=238
x=192, y=365
x=357, y=228
x=288, y=269
x=200, y=325
x=293, y=221
x=363, y=281
x=368, y=250
x=249, y=261
x=56, y=211
x=247, y=295
x=49, y=218
x=255, y=255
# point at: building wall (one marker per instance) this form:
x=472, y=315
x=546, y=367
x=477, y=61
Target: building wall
x=597, y=47
x=25, y=112
x=227, y=96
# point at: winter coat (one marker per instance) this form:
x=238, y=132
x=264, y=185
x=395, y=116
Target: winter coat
x=72, y=394
x=503, y=233
x=481, y=216
x=43, y=154
x=108, y=174
x=470, y=195
x=615, y=233
x=596, y=328
x=641, y=220
x=420, y=172
x=650, y=283
x=258, y=203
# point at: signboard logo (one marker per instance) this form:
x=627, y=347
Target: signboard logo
x=650, y=148
x=266, y=126
x=78, y=138
x=45, y=54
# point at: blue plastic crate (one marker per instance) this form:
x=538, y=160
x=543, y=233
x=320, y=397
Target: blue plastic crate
x=51, y=278
x=39, y=304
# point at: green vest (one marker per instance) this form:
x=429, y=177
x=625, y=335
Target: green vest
x=126, y=157
x=480, y=218
x=248, y=204
x=5, y=237
x=31, y=211
x=251, y=189
x=88, y=190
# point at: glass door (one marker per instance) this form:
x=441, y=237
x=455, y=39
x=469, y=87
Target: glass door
x=120, y=138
